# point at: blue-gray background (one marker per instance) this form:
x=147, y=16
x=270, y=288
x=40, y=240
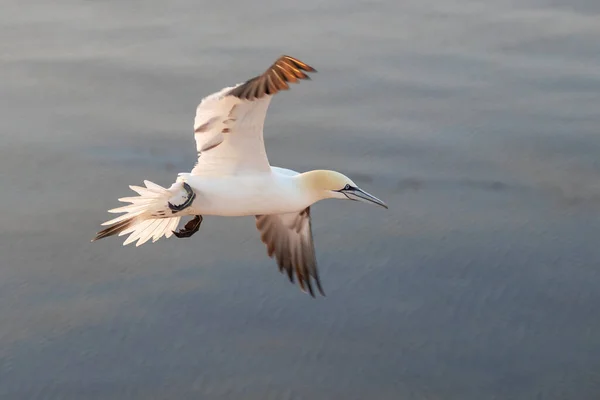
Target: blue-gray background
x=476, y=121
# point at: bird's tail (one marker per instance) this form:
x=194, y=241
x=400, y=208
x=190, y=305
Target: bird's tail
x=148, y=216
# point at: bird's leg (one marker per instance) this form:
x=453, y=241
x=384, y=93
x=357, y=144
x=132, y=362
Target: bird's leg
x=190, y=228
x=188, y=201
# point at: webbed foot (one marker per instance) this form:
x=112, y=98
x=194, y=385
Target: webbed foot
x=190, y=228
x=188, y=201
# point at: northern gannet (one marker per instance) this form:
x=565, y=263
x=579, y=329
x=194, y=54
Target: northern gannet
x=233, y=177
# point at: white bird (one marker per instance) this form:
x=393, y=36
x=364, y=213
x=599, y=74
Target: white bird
x=233, y=177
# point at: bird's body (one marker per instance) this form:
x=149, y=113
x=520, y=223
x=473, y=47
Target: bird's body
x=233, y=177
x=275, y=192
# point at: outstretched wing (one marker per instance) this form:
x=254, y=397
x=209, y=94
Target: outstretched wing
x=229, y=124
x=288, y=237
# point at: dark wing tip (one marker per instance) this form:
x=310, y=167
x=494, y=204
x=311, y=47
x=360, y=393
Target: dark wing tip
x=299, y=265
x=319, y=287
x=276, y=78
x=298, y=63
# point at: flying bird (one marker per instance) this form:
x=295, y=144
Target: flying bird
x=233, y=177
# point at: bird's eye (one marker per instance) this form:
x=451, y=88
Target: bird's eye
x=347, y=187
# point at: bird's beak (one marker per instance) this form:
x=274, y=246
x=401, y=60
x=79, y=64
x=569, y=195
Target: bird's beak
x=357, y=194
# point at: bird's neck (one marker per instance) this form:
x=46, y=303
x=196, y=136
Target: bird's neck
x=313, y=184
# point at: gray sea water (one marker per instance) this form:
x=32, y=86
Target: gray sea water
x=476, y=121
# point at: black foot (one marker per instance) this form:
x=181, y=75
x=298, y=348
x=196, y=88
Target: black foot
x=188, y=202
x=190, y=228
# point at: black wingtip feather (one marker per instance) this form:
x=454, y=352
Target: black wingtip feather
x=299, y=263
x=284, y=70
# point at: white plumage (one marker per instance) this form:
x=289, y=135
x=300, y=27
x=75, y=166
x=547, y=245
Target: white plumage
x=144, y=216
x=232, y=129
x=233, y=177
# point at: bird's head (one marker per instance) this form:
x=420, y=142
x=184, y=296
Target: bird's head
x=334, y=185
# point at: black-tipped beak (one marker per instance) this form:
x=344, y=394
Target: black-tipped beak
x=357, y=194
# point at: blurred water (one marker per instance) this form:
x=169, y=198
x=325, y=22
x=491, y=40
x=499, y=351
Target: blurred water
x=477, y=122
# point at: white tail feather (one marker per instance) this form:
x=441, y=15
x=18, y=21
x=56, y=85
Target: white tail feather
x=148, y=215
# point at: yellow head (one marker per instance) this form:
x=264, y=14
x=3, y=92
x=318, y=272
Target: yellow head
x=326, y=184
